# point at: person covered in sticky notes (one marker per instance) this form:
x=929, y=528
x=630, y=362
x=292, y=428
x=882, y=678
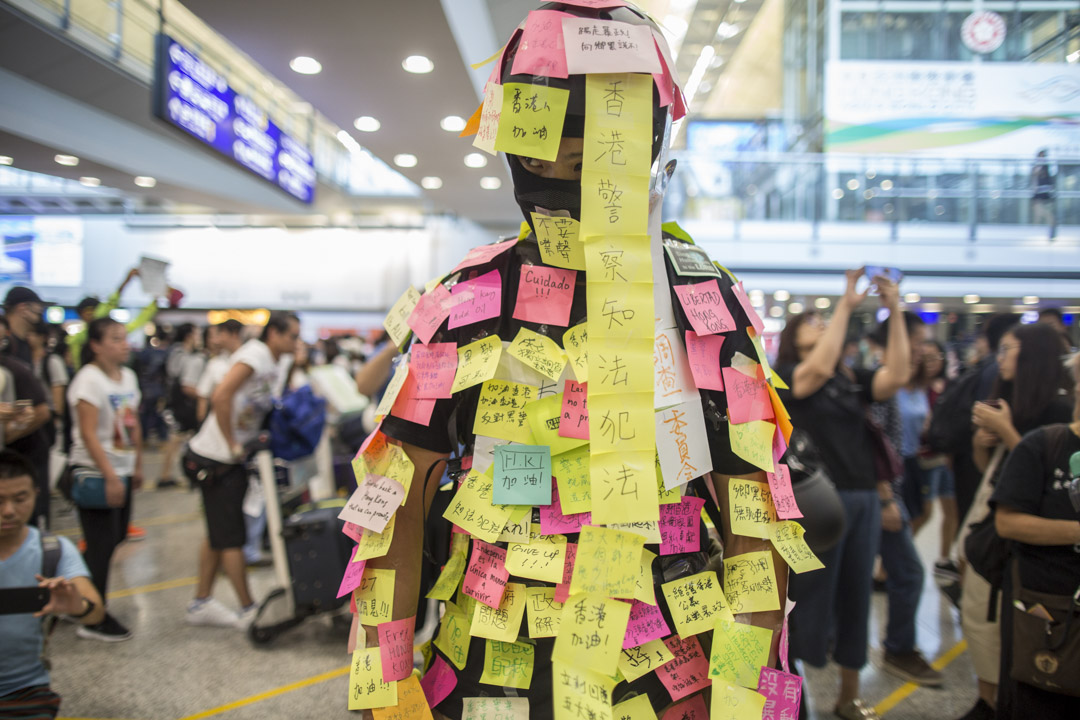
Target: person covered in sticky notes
x=585, y=391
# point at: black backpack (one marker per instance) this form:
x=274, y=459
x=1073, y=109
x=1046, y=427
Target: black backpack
x=950, y=423
x=50, y=562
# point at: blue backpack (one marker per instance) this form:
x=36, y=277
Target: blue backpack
x=297, y=423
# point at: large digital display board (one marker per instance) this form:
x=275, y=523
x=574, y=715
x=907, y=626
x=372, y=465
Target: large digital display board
x=191, y=95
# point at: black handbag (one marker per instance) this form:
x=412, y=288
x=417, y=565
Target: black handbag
x=1046, y=653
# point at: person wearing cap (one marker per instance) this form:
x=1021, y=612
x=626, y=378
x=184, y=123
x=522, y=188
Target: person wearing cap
x=23, y=309
x=90, y=308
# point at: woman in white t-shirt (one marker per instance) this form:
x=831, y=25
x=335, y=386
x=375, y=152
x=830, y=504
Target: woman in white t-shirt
x=107, y=438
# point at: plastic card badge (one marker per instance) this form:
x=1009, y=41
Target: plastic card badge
x=531, y=120
x=609, y=46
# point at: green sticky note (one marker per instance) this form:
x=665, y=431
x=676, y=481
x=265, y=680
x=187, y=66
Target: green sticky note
x=522, y=475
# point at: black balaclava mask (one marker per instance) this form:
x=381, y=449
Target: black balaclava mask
x=532, y=191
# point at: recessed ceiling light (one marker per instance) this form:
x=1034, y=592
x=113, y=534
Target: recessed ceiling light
x=145, y=181
x=366, y=123
x=781, y=296
x=776, y=311
x=912, y=298
x=417, y=64
x=490, y=182
x=822, y=303
x=68, y=160
x=971, y=299
x=795, y=308
x=453, y=123
x=6, y=159
x=757, y=298
x=90, y=181
x=305, y=65
x=1031, y=299
x=475, y=160
x=405, y=160
x=431, y=182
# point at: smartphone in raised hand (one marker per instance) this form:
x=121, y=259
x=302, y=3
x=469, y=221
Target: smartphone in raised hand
x=18, y=600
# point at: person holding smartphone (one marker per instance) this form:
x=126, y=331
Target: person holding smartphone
x=26, y=596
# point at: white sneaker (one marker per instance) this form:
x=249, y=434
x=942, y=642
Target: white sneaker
x=211, y=613
x=243, y=619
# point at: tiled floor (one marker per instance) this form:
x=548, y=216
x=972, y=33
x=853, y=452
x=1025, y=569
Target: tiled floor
x=170, y=671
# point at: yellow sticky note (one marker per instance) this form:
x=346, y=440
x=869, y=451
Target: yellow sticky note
x=635, y=662
x=636, y=708
x=696, y=603
x=624, y=487
x=397, y=381
x=621, y=310
x=750, y=583
x=618, y=123
x=503, y=622
x=750, y=507
x=667, y=497
x=477, y=362
x=541, y=559
x=608, y=563
x=508, y=664
x=471, y=508
x=770, y=374
x=366, y=687
x=453, y=638
x=618, y=367
x=518, y=526
x=412, y=704
x=450, y=577
x=531, y=120
x=375, y=596
x=500, y=412
x=539, y=352
x=732, y=702
x=373, y=544
x=752, y=441
x=543, y=613
x=619, y=423
x=559, y=241
x=614, y=203
x=396, y=321
x=646, y=588
x=591, y=632
x=575, y=342
x=571, y=471
x=787, y=538
x=589, y=693
x=619, y=259
x=739, y=651
x=544, y=418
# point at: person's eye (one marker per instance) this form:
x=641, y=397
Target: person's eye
x=577, y=167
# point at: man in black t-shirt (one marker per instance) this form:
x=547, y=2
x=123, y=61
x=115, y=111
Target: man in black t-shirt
x=25, y=432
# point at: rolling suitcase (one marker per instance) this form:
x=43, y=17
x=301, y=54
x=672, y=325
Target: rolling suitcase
x=317, y=551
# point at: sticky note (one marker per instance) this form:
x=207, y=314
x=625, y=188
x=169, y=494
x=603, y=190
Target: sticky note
x=621, y=422
x=475, y=300
x=539, y=352
x=750, y=508
x=354, y=572
x=522, y=475
x=591, y=632
x=587, y=692
x=486, y=575
x=571, y=470
x=490, y=110
x=682, y=443
x=575, y=342
x=688, y=672
x=434, y=366
x=410, y=406
x=531, y=120
x=490, y=708
x=622, y=311
x=608, y=46
x=574, y=416
x=453, y=638
x=559, y=241
x=554, y=522
x=477, y=362
x=747, y=397
x=366, y=687
x=541, y=559
x=396, y=648
x=696, y=602
x=750, y=583
x=500, y=411
x=673, y=382
x=680, y=526
x=545, y=295
x=484, y=254
x=374, y=545
x=411, y=703
x=645, y=590
x=638, y=707
x=704, y=307
x=759, y=348
x=396, y=321
x=646, y=623
x=545, y=422
x=518, y=526
x=787, y=538
x=562, y=590
x=738, y=652
x=543, y=612
x=616, y=258
x=641, y=659
x=449, y=578
x=375, y=596
x=692, y=709
x=703, y=354
x=748, y=308
x=732, y=702
x=430, y=312
x=373, y=502
x=541, y=50
x=752, y=441
x=471, y=508
x=607, y=563
x=508, y=664
x=393, y=389
x=502, y=622
x=624, y=486
x=782, y=692
x=438, y=682
x=649, y=530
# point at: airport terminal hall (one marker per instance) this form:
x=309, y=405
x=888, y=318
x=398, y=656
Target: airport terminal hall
x=526, y=360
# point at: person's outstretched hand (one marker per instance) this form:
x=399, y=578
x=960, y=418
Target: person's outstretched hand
x=853, y=298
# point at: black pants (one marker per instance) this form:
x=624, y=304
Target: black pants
x=103, y=531
x=40, y=460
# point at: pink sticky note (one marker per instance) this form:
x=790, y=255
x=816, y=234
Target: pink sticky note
x=485, y=253
x=692, y=709
x=438, y=682
x=680, y=526
x=396, y=648
x=748, y=308
x=562, y=590
x=680, y=105
x=434, y=366
x=351, y=644
x=705, y=308
x=664, y=82
x=545, y=295
x=688, y=671
x=747, y=397
x=477, y=299
x=354, y=572
x=429, y=313
x=646, y=623
x=782, y=692
x=703, y=352
x=373, y=502
x=782, y=495
x=409, y=406
x=353, y=531
x=486, y=576
x=373, y=444
x=541, y=50
x=553, y=522
x=608, y=46
x=595, y=4
x=574, y=420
